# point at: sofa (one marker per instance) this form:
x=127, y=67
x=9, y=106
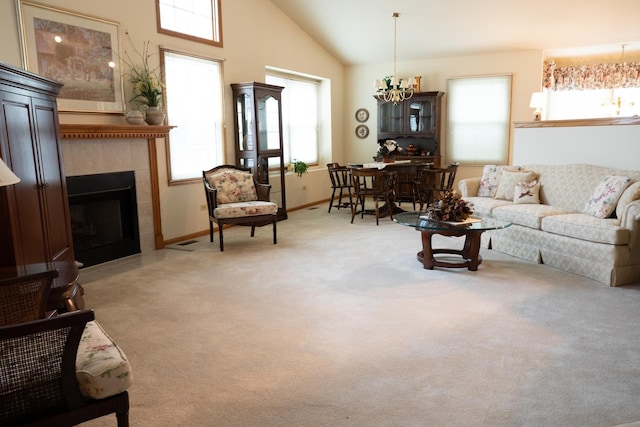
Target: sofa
x=584, y=219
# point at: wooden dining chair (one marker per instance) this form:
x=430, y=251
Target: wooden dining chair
x=340, y=183
x=375, y=184
x=443, y=181
x=408, y=184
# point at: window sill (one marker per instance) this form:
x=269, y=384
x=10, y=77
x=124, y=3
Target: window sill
x=608, y=121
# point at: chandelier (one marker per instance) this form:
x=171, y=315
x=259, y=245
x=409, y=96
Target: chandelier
x=392, y=88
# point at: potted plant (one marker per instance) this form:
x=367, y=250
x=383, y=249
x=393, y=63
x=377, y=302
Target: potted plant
x=299, y=167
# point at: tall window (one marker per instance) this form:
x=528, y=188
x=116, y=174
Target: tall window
x=300, y=117
x=194, y=105
x=197, y=20
x=478, y=119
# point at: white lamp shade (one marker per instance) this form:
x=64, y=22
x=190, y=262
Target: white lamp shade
x=537, y=100
x=7, y=177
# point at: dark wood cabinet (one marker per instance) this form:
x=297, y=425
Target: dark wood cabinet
x=258, y=136
x=34, y=214
x=414, y=121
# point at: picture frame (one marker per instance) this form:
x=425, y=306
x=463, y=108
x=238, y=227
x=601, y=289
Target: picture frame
x=82, y=52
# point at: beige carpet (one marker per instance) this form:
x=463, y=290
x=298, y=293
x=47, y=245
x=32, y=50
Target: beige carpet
x=338, y=325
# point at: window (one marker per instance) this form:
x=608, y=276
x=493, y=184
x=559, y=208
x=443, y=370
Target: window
x=197, y=20
x=300, y=117
x=478, y=120
x=194, y=105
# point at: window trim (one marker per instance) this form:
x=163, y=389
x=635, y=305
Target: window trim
x=217, y=26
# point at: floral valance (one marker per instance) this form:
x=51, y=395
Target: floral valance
x=586, y=77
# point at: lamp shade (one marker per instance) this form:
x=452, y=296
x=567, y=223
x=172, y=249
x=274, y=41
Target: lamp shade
x=6, y=176
x=537, y=100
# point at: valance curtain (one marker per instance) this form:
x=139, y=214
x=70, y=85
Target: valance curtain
x=587, y=77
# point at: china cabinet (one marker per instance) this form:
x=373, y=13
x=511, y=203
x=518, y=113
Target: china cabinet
x=258, y=136
x=414, y=121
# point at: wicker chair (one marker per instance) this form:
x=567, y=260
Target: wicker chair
x=234, y=197
x=24, y=298
x=38, y=385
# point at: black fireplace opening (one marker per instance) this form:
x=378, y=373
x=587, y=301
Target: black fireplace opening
x=104, y=216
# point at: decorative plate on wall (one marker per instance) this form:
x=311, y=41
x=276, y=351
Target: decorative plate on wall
x=362, y=131
x=362, y=115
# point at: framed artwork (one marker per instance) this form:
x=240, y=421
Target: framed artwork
x=362, y=131
x=82, y=52
x=362, y=115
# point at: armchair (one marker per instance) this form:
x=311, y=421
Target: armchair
x=24, y=298
x=234, y=197
x=45, y=373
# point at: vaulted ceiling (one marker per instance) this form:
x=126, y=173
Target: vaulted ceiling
x=361, y=31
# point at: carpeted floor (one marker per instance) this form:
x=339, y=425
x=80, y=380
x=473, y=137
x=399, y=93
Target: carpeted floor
x=339, y=325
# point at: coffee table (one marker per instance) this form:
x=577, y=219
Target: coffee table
x=472, y=231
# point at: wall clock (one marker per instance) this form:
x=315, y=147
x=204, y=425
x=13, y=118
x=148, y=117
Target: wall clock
x=362, y=131
x=362, y=115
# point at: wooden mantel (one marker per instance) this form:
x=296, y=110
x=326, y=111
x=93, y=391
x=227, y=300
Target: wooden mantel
x=150, y=133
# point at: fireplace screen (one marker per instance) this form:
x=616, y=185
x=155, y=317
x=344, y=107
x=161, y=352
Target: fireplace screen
x=104, y=216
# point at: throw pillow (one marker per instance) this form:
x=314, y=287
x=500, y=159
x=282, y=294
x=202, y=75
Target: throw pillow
x=605, y=197
x=630, y=194
x=508, y=182
x=490, y=179
x=527, y=193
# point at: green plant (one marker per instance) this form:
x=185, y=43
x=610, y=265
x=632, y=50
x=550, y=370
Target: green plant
x=299, y=167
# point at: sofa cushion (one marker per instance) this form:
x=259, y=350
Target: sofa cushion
x=587, y=227
x=604, y=198
x=102, y=369
x=491, y=178
x=509, y=180
x=253, y=208
x=527, y=215
x=233, y=186
x=631, y=194
x=527, y=193
x=483, y=206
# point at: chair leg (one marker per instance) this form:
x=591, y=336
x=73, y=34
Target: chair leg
x=333, y=194
x=377, y=213
x=253, y=229
x=211, y=231
x=220, y=227
x=275, y=239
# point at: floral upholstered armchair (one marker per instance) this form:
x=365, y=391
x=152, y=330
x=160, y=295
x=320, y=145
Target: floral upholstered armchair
x=234, y=197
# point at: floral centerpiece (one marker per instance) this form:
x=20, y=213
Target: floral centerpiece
x=449, y=206
x=388, y=147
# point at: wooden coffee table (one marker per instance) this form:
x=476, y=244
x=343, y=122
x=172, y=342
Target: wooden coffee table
x=470, y=252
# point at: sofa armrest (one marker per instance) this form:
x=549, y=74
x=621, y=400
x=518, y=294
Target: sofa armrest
x=631, y=220
x=469, y=187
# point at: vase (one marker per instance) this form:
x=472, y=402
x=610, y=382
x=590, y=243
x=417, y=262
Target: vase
x=135, y=117
x=154, y=116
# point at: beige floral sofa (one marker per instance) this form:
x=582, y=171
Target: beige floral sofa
x=580, y=218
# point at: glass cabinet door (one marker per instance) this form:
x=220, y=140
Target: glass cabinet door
x=269, y=123
x=245, y=123
x=420, y=116
x=390, y=118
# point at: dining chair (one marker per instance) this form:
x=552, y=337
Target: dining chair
x=341, y=183
x=408, y=184
x=375, y=184
x=444, y=180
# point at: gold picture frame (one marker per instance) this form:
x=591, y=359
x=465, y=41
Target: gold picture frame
x=82, y=52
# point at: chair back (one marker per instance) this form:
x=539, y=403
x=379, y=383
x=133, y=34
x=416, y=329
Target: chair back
x=232, y=184
x=448, y=176
x=373, y=182
x=24, y=298
x=340, y=175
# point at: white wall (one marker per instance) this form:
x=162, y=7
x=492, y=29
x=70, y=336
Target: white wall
x=525, y=66
x=256, y=35
x=614, y=146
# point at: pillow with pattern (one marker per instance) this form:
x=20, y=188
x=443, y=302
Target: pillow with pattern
x=527, y=193
x=604, y=198
x=491, y=178
x=509, y=180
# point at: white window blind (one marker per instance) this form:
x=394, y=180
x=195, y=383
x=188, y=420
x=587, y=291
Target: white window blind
x=478, y=114
x=194, y=106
